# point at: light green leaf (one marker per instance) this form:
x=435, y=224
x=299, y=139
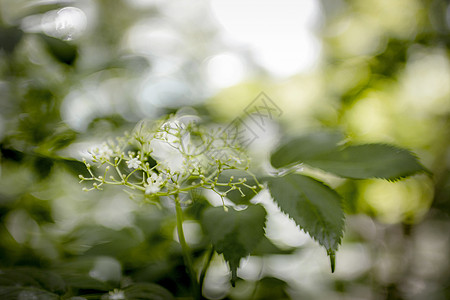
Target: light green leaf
x=234, y=233
x=368, y=161
x=315, y=208
x=305, y=147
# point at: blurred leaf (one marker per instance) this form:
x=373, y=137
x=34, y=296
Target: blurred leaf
x=199, y=204
x=62, y=51
x=234, y=233
x=9, y=38
x=144, y=291
x=392, y=59
x=38, y=209
x=14, y=293
x=265, y=247
x=77, y=273
x=32, y=277
x=314, y=207
x=42, y=166
x=11, y=154
x=368, y=161
x=269, y=288
x=61, y=137
x=98, y=240
x=305, y=147
x=74, y=166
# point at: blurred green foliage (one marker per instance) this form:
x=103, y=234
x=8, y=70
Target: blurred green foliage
x=384, y=77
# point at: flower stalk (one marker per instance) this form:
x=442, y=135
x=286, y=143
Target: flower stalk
x=186, y=251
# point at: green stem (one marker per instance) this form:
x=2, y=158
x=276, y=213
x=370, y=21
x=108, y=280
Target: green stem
x=185, y=249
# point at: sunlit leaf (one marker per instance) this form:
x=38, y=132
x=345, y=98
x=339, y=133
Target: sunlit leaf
x=368, y=161
x=320, y=150
x=305, y=147
x=234, y=233
x=313, y=206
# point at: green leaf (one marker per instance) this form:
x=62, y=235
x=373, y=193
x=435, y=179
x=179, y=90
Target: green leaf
x=320, y=150
x=19, y=292
x=305, y=147
x=266, y=247
x=271, y=288
x=146, y=291
x=99, y=240
x=368, y=161
x=315, y=208
x=9, y=38
x=234, y=233
x=83, y=272
x=32, y=277
x=64, y=52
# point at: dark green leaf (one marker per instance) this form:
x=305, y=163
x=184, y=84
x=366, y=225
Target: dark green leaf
x=99, y=240
x=368, y=161
x=269, y=288
x=234, y=233
x=266, y=247
x=144, y=291
x=305, y=147
x=9, y=38
x=27, y=276
x=17, y=292
x=78, y=273
x=315, y=207
x=62, y=51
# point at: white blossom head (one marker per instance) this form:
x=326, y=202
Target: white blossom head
x=154, y=184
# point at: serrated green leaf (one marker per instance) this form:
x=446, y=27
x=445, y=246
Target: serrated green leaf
x=315, y=208
x=368, y=161
x=305, y=147
x=234, y=233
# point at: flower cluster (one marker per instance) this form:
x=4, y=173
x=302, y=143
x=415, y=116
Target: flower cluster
x=169, y=157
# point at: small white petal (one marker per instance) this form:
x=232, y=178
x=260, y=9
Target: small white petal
x=133, y=163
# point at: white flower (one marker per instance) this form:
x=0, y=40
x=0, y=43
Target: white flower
x=101, y=153
x=154, y=184
x=116, y=295
x=133, y=163
x=105, y=152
